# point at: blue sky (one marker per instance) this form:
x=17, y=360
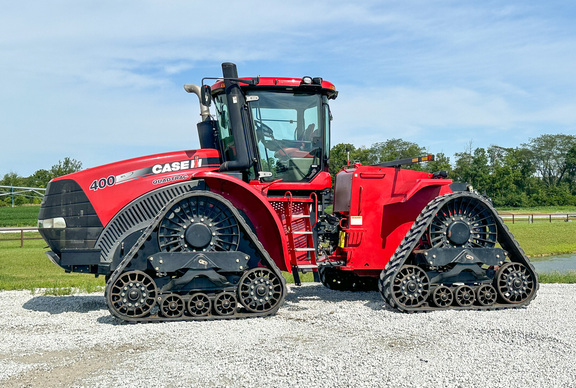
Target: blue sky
x=101, y=81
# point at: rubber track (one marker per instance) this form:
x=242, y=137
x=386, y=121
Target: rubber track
x=270, y=264
x=410, y=242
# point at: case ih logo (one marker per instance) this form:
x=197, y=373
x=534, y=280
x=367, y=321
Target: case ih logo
x=177, y=166
x=181, y=165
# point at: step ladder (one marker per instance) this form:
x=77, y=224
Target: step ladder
x=300, y=234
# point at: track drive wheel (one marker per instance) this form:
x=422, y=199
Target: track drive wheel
x=133, y=294
x=410, y=287
x=514, y=283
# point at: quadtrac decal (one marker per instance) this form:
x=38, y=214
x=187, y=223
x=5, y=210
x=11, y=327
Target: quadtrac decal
x=181, y=165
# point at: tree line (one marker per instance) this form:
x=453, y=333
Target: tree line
x=541, y=172
x=39, y=179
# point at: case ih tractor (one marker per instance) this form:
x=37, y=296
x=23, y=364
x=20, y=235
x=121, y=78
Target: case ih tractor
x=206, y=234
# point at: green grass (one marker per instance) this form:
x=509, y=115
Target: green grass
x=29, y=268
x=544, y=238
x=19, y=216
x=558, y=277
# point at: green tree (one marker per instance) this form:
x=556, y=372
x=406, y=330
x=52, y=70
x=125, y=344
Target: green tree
x=64, y=167
x=393, y=149
x=552, y=156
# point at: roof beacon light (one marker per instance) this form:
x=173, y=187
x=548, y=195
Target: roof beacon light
x=307, y=80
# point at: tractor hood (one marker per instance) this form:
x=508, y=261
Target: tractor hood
x=108, y=188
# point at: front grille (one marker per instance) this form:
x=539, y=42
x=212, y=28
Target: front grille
x=65, y=198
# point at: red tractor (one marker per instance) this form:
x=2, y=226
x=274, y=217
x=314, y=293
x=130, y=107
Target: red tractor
x=206, y=234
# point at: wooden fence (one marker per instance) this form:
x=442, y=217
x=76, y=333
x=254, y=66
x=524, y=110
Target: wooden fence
x=21, y=231
x=569, y=217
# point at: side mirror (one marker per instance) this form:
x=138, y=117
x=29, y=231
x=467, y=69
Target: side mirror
x=206, y=95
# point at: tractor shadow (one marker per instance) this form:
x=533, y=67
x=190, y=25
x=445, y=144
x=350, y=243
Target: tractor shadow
x=307, y=292
x=66, y=304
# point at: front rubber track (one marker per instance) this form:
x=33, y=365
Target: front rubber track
x=156, y=316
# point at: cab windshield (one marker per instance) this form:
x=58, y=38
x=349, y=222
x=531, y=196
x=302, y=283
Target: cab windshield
x=290, y=134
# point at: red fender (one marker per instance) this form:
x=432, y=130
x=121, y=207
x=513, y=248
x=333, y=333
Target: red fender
x=267, y=224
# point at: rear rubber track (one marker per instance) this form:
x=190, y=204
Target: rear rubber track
x=417, y=231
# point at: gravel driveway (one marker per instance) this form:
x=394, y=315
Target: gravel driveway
x=318, y=338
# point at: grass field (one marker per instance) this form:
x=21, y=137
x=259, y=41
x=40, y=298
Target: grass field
x=19, y=216
x=29, y=268
x=544, y=238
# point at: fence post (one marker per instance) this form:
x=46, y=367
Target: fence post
x=21, y=238
x=550, y=218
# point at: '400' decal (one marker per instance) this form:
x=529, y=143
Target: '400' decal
x=102, y=183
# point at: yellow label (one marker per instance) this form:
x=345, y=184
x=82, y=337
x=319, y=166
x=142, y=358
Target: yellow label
x=342, y=240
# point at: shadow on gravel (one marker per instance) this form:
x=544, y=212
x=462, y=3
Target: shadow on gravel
x=66, y=304
x=371, y=299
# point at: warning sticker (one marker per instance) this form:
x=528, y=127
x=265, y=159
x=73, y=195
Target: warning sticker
x=355, y=220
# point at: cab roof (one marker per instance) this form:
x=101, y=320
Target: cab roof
x=284, y=83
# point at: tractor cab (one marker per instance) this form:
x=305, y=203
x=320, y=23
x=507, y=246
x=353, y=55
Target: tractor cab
x=271, y=129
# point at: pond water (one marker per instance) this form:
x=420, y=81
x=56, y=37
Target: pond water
x=560, y=263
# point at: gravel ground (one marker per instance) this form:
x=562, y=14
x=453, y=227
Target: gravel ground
x=318, y=338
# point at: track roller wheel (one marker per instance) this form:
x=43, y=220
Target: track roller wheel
x=486, y=295
x=514, y=283
x=225, y=304
x=172, y=306
x=410, y=286
x=442, y=296
x=199, y=305
x=259, y=290
x=133, y=294
x=464, y=296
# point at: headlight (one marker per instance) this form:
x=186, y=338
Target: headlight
x=52, y=223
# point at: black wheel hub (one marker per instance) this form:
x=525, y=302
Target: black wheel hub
x=458, y=233
x=198, y=236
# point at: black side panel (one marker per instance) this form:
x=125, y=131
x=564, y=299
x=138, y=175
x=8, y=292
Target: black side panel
x=65, y=198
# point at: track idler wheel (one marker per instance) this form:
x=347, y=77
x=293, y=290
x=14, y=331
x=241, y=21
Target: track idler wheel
x=172, y=306
x=133, y=294
x=514, y=283
x=225, y=304
x=464, y=296
x=442, y=296
x=486, y=295
x=259, y=290
x=199, y=305
x=410, y=286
